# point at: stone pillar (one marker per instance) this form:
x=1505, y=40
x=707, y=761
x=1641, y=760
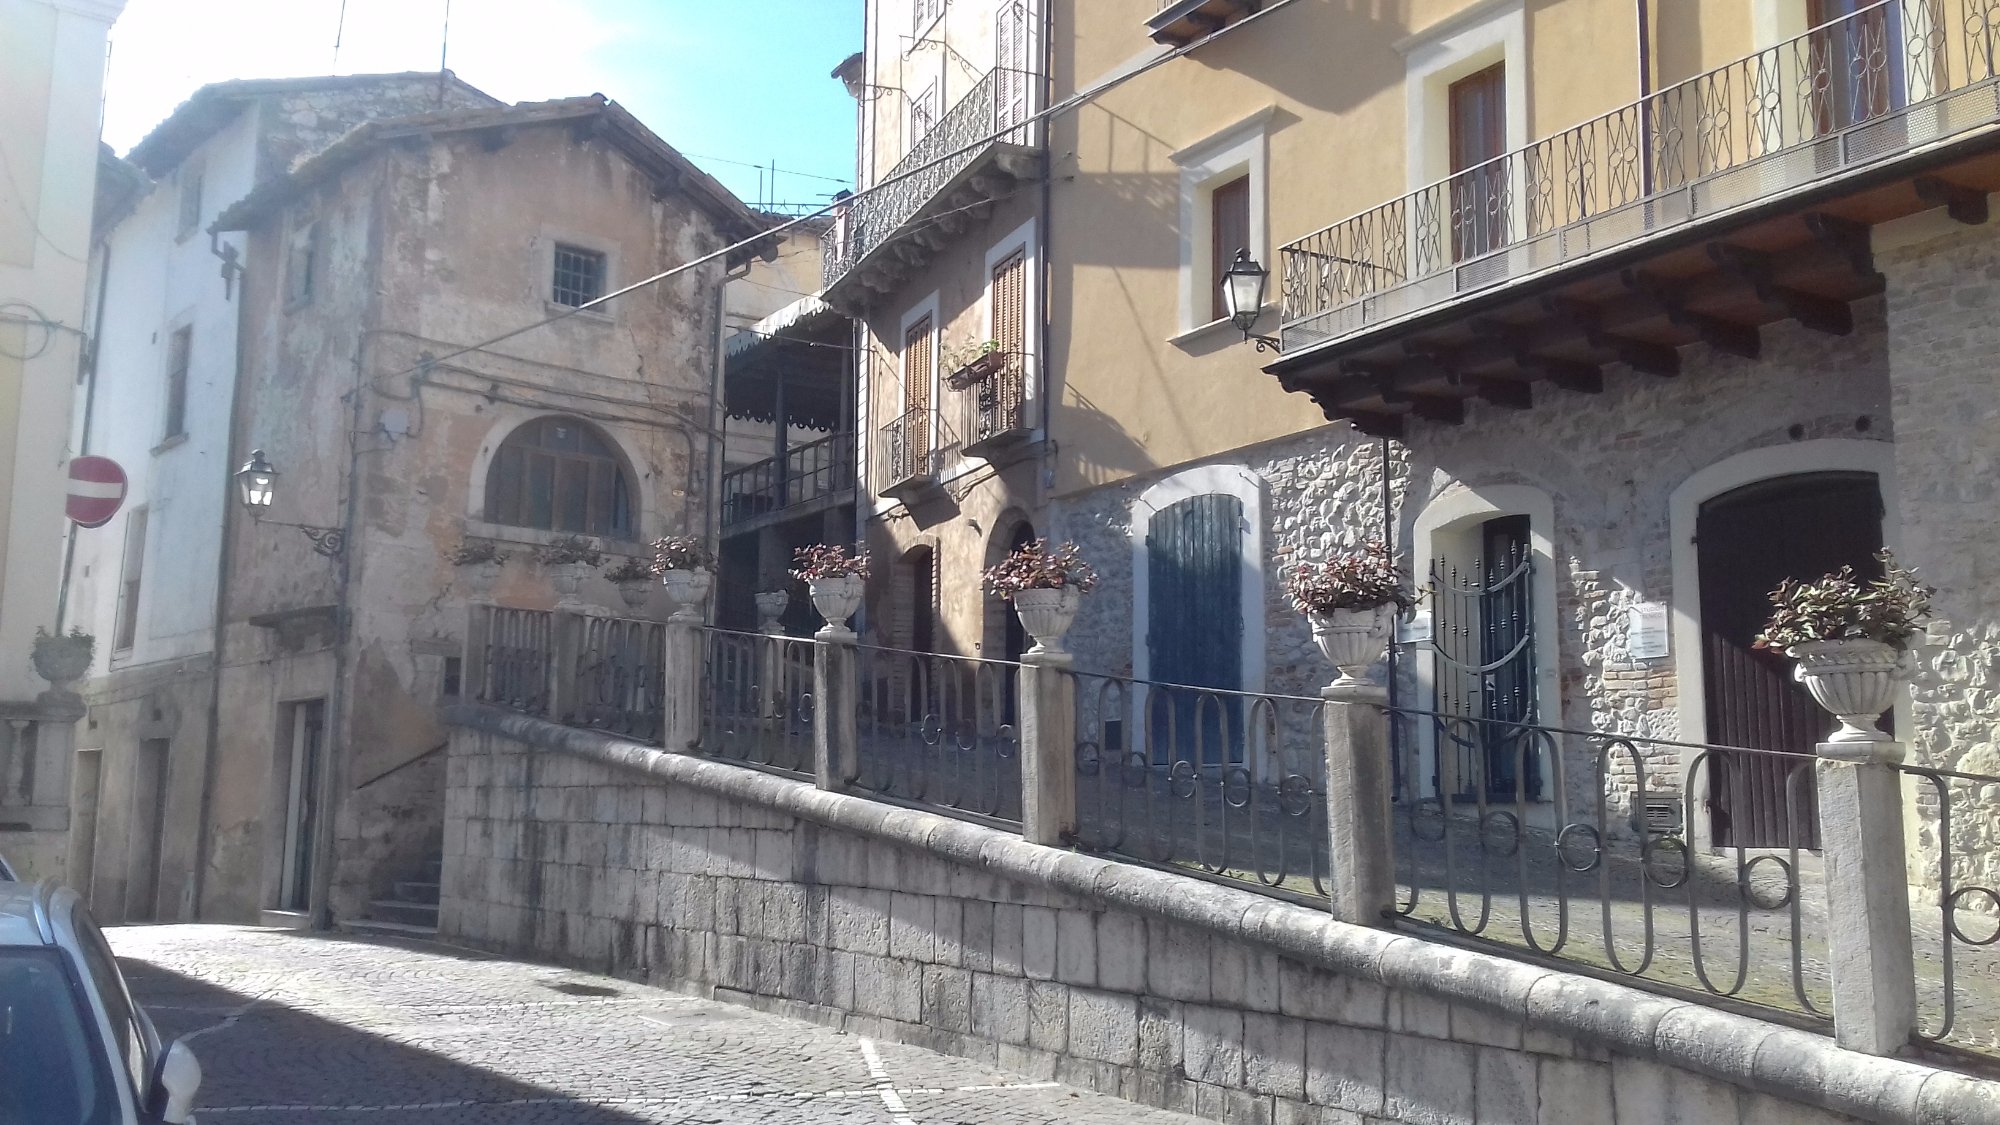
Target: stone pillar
x=836, y=706
x=565, y=653
x=472, y=668
x=1048, y=749
x=680, y=701
x=1362, y=877
x=83, y=820
x=1869, y=953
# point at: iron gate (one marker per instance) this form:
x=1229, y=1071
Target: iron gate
x=1484, y=640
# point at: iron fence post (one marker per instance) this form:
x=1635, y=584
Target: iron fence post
x=1361, y=881
x=1869, y=955
x=1047, y=706
x=836, y=710
x=680, y=698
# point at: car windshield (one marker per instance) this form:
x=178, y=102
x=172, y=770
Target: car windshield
x=51, y=1071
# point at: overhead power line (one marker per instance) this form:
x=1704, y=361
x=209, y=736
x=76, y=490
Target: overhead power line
x=1080, y=98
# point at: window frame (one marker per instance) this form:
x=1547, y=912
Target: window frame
x=911, y=318
x=189, y=184
x=180, y=364
x=301, y=279
x=621, y=503
x=131, y=578
x=1233, y=153
x=1220, y=254
x=579, y=251
x=927, y=106
x=924, y=15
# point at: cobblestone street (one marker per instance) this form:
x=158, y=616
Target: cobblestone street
x=304, y=1028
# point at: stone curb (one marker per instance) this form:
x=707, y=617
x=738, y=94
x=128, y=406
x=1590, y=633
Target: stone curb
x=1780, y=1061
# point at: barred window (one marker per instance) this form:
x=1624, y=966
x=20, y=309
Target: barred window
x=579, y=277
x=560, y=474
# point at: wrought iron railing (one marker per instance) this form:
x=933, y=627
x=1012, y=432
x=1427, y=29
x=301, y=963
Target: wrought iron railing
x=1592, y=874
x=1891, y=77
x=617, y=677
x=1958, y=988
x=805, y=473
x=757, y=700
x=995, y=403
x=906, y=448
x=1223, y=783
x=939, y=731
x=514, y=658
x=1001, y=99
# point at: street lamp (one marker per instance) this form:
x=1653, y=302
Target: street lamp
x=1243, y=285
x=257, y=487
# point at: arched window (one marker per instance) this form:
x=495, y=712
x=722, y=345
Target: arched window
x=560, y=474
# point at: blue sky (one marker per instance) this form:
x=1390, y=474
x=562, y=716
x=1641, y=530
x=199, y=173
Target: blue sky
x=722, y=80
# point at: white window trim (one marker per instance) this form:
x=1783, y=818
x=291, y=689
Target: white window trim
x=1460, y=510
x=1487, y=33
x=1020, y=238
x=926, y=307
x=1218, y=159
x=545, y=279
x=1684, y=509
x=1203, y=480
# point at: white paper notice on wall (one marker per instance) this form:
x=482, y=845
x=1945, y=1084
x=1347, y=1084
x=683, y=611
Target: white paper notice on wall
x=1646, y=632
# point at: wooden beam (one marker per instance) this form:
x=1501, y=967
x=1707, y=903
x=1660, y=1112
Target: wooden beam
x=1851, y=240
x=1372, y=423
x=1583, y=378
x=1821, y=314
x=1640, y=355
x=1718, y=333
x=1512, y=396
x=1439, y=408
x=1962, y=203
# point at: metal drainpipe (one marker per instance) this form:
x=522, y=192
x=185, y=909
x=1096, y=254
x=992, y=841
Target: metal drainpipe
x=1645, y=86
x=1045, y=480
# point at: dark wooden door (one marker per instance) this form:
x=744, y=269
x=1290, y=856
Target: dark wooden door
x=1194, y=628
x=1478, y=108
x=1746, y=542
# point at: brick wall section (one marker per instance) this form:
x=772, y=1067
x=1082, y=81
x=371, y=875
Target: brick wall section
x=1164, y=989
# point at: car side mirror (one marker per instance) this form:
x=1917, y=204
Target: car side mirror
x=175, y=1083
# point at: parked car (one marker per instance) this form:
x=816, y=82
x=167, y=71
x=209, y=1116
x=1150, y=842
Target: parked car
x=74, y=1048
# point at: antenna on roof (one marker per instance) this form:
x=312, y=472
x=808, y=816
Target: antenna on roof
x=339, y=30
x=444, y=52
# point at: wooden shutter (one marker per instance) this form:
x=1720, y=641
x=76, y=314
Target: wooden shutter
x=918, y=361
x=1010, y=51
x=1010, y=331
x=1478, y=108
x=1229, y=229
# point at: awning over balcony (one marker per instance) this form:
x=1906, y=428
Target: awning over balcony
x=806, y=347
x=1734, y=200
x=1180, y=22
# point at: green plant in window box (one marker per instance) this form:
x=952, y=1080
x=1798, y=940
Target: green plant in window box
x=969, y=363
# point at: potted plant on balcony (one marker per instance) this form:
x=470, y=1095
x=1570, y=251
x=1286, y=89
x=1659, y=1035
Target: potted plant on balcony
x=634, y=580
x=569, y=561
x=480, y=560
x=1352, y=600
x=1046, y=587
x=682, y=564
x=969, y=363
x=1851, y=639
x=63, y=658
x=835, y=579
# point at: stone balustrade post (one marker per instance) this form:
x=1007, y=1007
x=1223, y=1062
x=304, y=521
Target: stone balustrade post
x=1869, y=945
x=836, y=722
x=680, y=701
x=1362, y=871
x=565, y=653
x=473, y=672
x=1047, y=693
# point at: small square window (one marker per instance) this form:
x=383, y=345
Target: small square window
x=301, y=263
x=579, y=276
x=180, y=349
x=190, y=201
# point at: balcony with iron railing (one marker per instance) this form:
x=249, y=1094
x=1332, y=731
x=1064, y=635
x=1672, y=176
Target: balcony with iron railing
x=969, y=158
x=1587, y=247
x=804, y=479
x=990, y=410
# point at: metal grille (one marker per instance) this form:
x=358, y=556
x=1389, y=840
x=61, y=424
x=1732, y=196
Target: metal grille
x=514, y=671
x=579, y=276
x=1484, y=648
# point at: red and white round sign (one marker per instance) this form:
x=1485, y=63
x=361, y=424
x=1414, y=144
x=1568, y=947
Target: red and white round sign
x=96, y=489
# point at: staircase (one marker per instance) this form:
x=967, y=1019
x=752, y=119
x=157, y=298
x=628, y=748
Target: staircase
x=411, y=910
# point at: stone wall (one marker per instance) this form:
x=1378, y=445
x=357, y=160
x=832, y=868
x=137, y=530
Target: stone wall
x=1156, y=987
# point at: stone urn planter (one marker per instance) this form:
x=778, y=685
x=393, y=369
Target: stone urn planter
x=1855, y=679
x=635, y=593
x=1354, y=640
x=568, y=579
x=837, y=598
x=1047, y=615
x=771, y=605
x=63, y=659
x=687, y=589
x=481, y=576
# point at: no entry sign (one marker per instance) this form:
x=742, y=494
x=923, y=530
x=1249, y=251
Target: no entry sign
x=96, y=489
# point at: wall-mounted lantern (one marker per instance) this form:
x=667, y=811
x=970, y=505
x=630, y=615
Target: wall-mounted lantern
x=1243, y=287
x=257, y=489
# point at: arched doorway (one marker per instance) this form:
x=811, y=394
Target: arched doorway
x=1747, y=541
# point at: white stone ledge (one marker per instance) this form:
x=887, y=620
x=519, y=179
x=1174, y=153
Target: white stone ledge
x=1764, y=1057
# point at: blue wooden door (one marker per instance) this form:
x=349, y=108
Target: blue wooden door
x=1195, y=628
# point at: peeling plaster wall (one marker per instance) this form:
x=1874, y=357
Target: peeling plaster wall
x=426, y=249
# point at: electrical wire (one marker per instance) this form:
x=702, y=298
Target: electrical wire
x=771, y=168
x=1080, y=98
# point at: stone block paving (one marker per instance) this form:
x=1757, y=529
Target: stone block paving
x=295, y=1028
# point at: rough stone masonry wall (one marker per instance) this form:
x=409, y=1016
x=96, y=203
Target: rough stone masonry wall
x=1160, y=988
x=1609, y=462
